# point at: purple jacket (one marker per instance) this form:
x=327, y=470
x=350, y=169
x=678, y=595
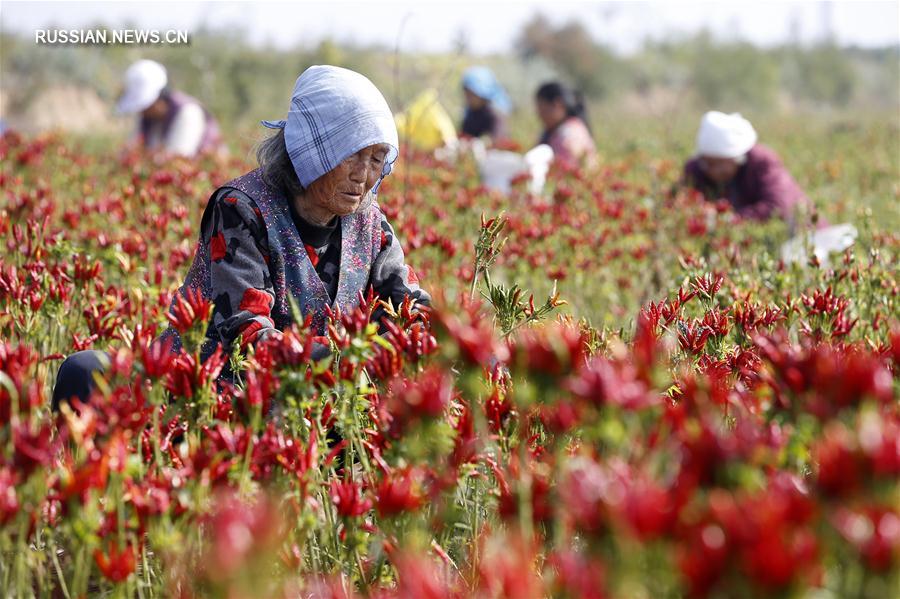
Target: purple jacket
x=762, y=188
x=212, y=137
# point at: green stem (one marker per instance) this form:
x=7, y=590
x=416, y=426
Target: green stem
x=51, y=541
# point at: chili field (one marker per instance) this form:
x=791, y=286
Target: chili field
x=621, y=391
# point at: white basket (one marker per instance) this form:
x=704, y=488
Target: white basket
x=823, y=242
x=498, y=168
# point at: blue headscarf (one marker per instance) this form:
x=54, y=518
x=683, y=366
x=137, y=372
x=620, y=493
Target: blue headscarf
x=481, y=82
x=335, y=113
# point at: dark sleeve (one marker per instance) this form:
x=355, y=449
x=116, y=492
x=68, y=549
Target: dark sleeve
x=390, y=276
x=239, y=274
x=775, y=192
x=691, y=176
x=465, y=127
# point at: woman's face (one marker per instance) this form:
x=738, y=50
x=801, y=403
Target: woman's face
x=473, y=101
x=551, y=112
x=341, y=190
x=157, y=110
x=720, y=170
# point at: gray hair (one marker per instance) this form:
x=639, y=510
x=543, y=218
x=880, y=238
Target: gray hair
x=276, y=167
x=278, y=171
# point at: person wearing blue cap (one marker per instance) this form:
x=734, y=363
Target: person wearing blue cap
x=305, y=224
x=487, y=105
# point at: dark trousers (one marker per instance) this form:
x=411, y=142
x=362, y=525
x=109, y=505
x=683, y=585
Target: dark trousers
x=76, y=376
x=76, y=379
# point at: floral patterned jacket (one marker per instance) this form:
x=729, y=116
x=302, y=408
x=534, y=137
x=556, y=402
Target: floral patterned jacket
x=250, y=256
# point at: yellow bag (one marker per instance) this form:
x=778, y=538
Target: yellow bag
x=425, y=124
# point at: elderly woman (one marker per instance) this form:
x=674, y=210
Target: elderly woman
x=486, y=105
x=730, y=165
x=561, y=110
x=304, y=223
x=169, y=119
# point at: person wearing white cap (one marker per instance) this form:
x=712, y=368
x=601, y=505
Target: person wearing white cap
x=730, y=165
x=169, y=120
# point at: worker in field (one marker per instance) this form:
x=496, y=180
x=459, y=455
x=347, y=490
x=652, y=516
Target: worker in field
x=731, y=165
x=425, y=124
x=487, y=105
x=562, y=111
x=169, y=120
x=304, y=225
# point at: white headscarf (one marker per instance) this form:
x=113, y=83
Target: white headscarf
x=144, y=81
x=334, y=113
x=725, y=135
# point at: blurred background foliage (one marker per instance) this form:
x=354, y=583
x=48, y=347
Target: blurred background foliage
x=74, y=87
